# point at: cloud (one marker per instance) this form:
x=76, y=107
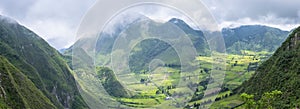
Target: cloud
x=54, y=20
x=283, y=14
x=102, y=12
x=16, y=8
x=58, y=33
x=8, y=20
x=249, y=21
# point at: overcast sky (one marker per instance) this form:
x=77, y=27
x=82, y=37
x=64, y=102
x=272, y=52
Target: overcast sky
x=57, y=20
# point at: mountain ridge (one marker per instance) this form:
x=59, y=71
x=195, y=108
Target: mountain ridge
x=253, y=37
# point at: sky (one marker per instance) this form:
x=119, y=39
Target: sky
x=57, y=21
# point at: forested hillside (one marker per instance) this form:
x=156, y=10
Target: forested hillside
x=280, y=72
x=35, y=59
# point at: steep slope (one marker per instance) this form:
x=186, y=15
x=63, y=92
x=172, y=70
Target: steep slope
x=254, y=38
x=279, y=72
x=108, y=79
x=17, y=91
x=196, y=36
x=41, y=63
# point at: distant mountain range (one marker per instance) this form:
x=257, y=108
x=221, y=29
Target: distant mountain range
x=249, y=37
x=253, y=38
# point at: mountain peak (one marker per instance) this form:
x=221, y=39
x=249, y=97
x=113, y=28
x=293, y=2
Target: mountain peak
x=184, y=26
x=176, y=20
x=179, y=22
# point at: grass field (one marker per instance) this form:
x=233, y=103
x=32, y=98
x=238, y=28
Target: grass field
x=228, y=102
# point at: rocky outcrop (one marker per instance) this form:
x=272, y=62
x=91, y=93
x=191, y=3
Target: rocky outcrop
x=294, y=41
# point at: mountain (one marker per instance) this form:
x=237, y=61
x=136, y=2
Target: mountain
x=280, y=72
x=197, y=36
x=105, y=43
x=44, y=72
x=249, y=37
x=146, y=50
x=254, y=38
x=113, y=29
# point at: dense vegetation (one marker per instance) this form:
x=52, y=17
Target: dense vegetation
x=267, y=100
x=41, y=64
x=17, y=91
x=279, y=72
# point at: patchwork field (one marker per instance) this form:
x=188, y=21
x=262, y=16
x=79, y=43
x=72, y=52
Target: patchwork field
x=167, y=87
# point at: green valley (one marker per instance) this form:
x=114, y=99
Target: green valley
x=156, y=68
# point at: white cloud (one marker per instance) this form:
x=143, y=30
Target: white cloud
x=283, y=14
x=59, y=33
x=55, y=21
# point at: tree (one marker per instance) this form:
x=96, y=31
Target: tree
x=266, y=102
x=197, y=90
x=249, y=100
x=206, y=70
x=158, y=92
x=268, y=99
x=235, y=64
x=142, y=80
x=248, y=68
